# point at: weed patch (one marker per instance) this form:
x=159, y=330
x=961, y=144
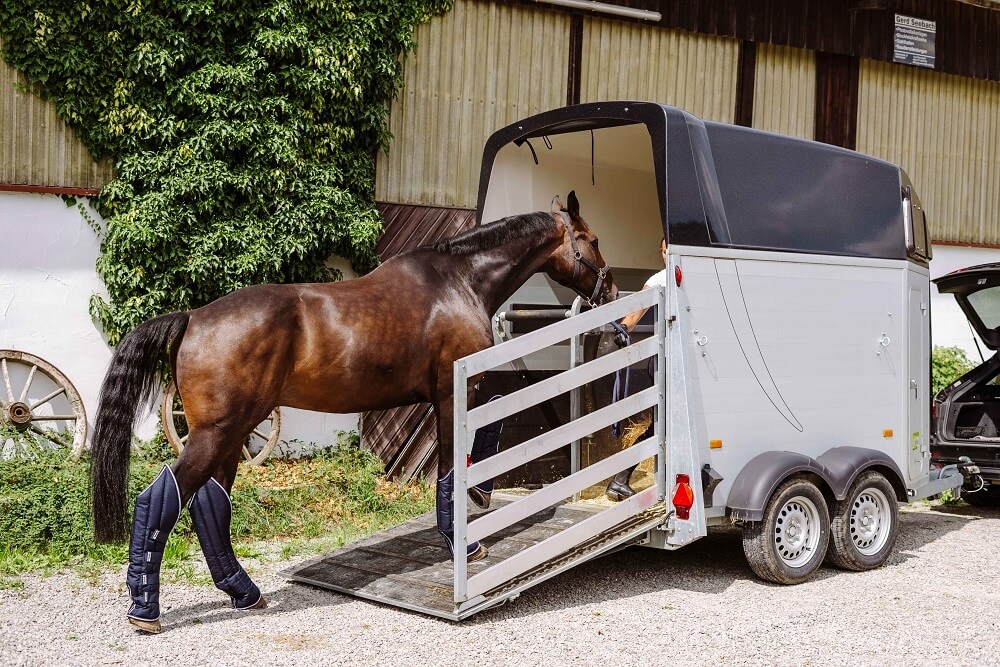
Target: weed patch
x=303, y=506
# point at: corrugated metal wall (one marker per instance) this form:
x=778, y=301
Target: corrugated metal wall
x=784, y=98
x=944, y=130
x=36, y=147
x=476, y=69
x=696, y=73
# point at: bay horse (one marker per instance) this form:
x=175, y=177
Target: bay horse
x=383, y=340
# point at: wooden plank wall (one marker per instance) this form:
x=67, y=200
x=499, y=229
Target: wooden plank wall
x=36, y=147
x=476, y=69
x=944, y=130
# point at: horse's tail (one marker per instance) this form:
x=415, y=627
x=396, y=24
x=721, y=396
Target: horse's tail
x=131, y=381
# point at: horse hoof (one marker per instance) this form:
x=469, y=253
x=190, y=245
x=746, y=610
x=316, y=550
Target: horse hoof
x=479, y=554
x=261, y=604
x=480, y=498
x=152, y=627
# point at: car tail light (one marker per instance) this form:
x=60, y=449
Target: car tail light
x=678, y=275
x=683, y=498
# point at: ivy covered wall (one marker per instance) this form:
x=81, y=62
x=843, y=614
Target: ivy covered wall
x=243, y=134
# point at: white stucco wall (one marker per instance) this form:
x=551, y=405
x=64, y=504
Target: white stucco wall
x=47, y=257
x=949, y=327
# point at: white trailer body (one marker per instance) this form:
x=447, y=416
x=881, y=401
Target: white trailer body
x=790, y=354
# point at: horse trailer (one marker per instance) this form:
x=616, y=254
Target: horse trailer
x=788, y=361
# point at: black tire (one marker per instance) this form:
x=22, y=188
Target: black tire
x=789, y=544
x=988, y=497
x=865, y=524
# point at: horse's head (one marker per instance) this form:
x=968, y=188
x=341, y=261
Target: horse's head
x=577, y=262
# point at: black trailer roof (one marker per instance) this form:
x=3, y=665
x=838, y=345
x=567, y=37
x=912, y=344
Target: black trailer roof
x=729, y=186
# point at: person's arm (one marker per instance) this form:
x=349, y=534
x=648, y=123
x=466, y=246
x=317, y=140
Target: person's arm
x=630, y=320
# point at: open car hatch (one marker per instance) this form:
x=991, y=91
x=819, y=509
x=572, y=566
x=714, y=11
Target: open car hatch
x=977, y=290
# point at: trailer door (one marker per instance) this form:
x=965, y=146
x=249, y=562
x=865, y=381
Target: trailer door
x=918, y=374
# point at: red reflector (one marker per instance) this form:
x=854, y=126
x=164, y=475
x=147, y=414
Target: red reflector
x=683, y=498
x=678, y=276
x=934, y=410
x=468, y=460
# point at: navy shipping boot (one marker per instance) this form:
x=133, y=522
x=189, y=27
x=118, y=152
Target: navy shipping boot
x=212, y=512
x=446, y=518
x=484, y=445
x=157, y=509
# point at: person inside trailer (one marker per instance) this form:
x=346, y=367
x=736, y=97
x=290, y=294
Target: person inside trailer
x=618, y=488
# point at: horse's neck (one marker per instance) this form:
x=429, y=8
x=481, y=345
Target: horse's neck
x=498, y=272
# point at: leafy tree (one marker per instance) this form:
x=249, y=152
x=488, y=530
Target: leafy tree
x=243, y=134
x=947, y=365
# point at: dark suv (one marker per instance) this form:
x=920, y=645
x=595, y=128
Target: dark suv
x=965, y=417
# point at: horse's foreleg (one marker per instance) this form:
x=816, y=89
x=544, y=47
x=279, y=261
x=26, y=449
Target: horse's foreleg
x=212, y=513
x=444, y=408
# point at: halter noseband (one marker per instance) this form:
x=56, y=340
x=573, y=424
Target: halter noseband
x=601, y=272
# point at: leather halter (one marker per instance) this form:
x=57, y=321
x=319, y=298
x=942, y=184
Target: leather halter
x=601, y=272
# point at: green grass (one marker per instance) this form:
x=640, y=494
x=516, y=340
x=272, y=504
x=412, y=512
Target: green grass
x=281, y=509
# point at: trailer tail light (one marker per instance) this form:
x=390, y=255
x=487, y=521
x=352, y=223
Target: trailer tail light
x=934, y=410
x=678, y=276
x=683, y=498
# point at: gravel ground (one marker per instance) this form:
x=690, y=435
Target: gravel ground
x=936, y=602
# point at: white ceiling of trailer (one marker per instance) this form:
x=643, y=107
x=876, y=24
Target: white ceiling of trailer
x=618, y=196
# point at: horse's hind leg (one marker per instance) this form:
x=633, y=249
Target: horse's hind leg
x=212, y=512
x=157, y=509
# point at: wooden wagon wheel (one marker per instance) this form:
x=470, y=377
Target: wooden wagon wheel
x=40, y=405
x=257, y=448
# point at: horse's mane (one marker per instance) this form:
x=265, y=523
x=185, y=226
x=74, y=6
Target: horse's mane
x=494, y=234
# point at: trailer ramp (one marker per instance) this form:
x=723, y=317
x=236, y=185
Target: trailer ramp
x=531, y=537
x=408, y=565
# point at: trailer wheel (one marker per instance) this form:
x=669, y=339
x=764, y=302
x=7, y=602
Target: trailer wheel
x=865, y=524
x=257, y=448
x=40, y=409
x=789, y=544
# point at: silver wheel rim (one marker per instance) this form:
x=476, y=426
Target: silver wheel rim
x=797, y=531
x=870, y=521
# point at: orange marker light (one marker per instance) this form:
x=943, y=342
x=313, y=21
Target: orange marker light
x=887, y=433
x=715, y=444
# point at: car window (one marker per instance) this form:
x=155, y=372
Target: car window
x=986, y=303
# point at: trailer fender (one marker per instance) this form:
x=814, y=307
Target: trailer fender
x=763, y=474
x=846, y=463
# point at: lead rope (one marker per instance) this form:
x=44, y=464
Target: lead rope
x=620, y=390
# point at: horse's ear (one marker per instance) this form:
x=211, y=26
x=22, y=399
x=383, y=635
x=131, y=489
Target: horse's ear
x=574, y=206
x=556, y=205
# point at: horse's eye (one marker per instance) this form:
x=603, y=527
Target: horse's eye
x=594, y=243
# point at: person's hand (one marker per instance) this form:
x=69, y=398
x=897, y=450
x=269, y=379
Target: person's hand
x=622, y=338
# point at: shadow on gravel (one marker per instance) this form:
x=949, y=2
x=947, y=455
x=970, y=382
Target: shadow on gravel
x=709, y=565
x=918, y=528
x=287, y=598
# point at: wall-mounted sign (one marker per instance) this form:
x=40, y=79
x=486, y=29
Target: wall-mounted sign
x=914, y=41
